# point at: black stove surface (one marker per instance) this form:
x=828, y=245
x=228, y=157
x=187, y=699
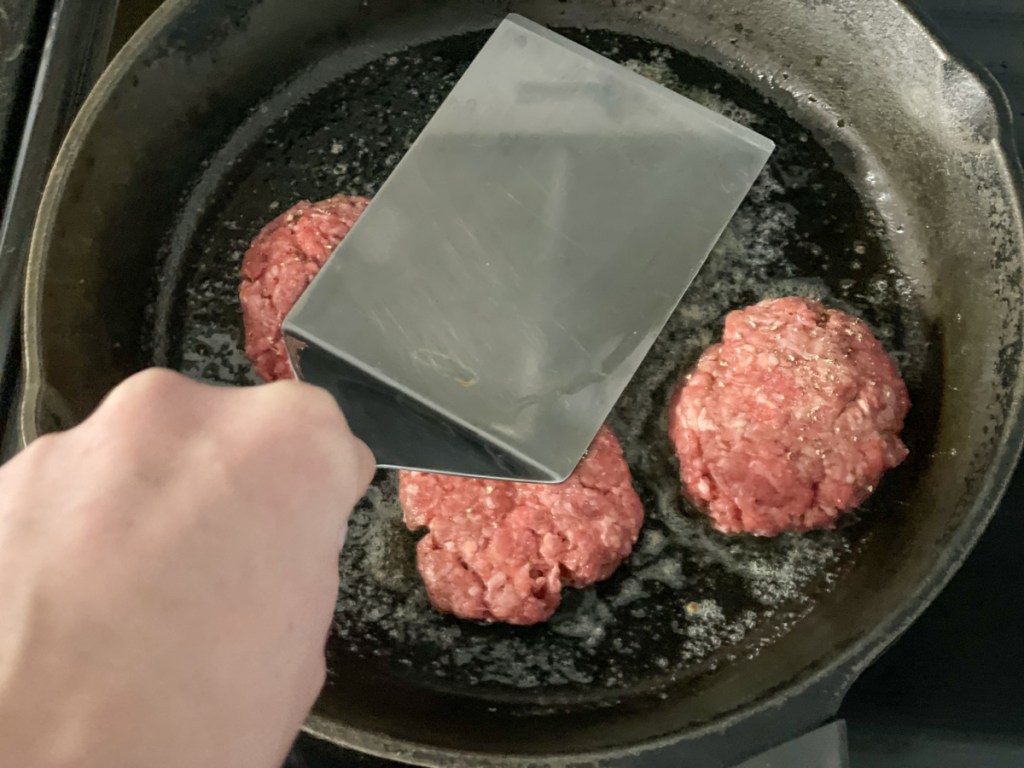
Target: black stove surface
x=949, y=693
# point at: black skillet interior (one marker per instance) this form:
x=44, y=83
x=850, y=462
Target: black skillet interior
x=689, y=599
x=695, y=625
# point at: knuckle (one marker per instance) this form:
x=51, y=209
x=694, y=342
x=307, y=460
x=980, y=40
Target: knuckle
x=42, y=445
x=142, y=388
x=311, y=408
x=150, y=409
x=321, y=404
x=367, y=464
x=38, y=455
x=154, y=380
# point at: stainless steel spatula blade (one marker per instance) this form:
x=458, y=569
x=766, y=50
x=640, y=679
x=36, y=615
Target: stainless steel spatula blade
x=495, y=298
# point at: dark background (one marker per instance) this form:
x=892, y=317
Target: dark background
x=950, y=693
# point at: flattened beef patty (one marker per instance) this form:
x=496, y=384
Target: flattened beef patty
x=282, y=260
x=790, y=421
x=501, y=551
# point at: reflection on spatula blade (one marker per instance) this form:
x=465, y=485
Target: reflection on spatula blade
x=502, y=288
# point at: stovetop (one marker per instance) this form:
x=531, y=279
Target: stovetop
x=950, y=692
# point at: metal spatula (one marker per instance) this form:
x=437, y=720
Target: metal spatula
x=502, y=288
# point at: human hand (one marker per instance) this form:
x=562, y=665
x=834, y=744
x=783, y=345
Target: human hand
x=168, y=574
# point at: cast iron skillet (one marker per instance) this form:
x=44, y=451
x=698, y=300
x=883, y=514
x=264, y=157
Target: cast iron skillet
x=890, y=195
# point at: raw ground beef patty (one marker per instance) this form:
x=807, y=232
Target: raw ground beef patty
x=282, y=260
x=496, y=551
x=501, y=551
x=788, y=422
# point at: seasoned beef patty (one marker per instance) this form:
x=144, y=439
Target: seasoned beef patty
x=282, y=260
x=788, y=422
x=501, y=551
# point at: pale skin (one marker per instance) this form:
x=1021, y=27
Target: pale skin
x=168, y=573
